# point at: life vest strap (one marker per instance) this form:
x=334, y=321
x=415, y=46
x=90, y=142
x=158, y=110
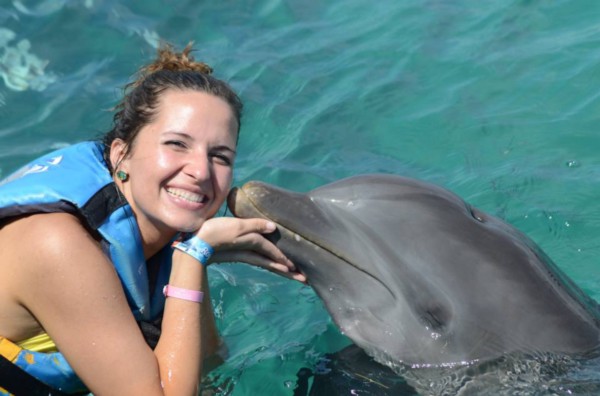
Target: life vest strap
x=17, y=381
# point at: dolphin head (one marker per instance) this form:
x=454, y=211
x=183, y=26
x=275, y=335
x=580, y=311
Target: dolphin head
x=414, y=275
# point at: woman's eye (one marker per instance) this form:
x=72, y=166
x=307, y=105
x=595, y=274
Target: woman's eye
x=222, y=159
x=176, y=143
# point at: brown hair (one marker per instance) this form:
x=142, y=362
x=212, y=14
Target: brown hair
x=170, y=70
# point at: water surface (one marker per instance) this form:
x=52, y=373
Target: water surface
x=495, y=100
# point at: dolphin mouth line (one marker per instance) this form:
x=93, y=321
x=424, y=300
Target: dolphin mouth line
x=340, y=257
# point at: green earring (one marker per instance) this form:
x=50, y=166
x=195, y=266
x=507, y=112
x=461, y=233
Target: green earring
x=122, y=175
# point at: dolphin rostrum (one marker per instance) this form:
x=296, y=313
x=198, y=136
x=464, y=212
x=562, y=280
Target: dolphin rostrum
x=414, y=275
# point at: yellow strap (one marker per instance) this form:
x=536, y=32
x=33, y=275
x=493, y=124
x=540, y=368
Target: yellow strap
x=38, y=343
x=8, y=349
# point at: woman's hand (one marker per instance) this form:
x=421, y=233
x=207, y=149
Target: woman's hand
x=235, y=239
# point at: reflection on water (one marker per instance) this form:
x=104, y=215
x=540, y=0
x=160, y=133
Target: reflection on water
x=351, y=372
x=19, y=68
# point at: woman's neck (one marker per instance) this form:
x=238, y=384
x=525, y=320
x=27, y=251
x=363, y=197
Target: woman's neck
x=153, y=240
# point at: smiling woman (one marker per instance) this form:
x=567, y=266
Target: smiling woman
x=190, y=145
x=103, y=217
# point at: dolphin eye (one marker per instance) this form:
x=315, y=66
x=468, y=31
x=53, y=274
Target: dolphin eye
x=477, y=215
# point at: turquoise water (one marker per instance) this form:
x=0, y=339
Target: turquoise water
x=496, y=100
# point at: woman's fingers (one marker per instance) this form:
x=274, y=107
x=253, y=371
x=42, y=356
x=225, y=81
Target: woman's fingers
x=227, y=231
x=236, y=239
x=259, y=244
x=257, y=260
x=243, y=234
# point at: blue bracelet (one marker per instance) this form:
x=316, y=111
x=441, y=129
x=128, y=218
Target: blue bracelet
x=195, y=247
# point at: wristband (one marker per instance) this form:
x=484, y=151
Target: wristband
x=195, y=247
x=183, y=294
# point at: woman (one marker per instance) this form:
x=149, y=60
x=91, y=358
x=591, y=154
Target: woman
x=86, y=235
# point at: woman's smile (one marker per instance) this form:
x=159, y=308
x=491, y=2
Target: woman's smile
x=187, y=197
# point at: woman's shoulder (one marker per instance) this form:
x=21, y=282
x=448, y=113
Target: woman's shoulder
x=42, y=238
x=41, y=255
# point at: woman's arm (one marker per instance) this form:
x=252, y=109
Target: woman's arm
x=73, y=291
x=180, y=348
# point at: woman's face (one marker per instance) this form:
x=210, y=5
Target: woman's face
x=180, y=165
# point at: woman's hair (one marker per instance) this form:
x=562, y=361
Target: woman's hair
x=170, y=70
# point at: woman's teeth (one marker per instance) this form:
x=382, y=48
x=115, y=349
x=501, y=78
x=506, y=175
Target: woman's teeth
x=187, y=195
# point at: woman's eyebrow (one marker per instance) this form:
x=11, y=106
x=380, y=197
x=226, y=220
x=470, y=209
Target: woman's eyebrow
x=178, y=133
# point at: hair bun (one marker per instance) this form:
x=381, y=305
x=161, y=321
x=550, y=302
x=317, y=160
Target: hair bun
x=168, y=59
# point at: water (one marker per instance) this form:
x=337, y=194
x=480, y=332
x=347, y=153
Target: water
x=496, y=100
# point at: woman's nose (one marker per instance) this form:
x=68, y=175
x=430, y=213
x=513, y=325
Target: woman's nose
x=198, y=168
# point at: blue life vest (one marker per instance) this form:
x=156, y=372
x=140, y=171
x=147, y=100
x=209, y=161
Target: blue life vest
x=76, y=180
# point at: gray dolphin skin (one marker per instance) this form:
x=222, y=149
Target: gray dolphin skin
x=414, y=275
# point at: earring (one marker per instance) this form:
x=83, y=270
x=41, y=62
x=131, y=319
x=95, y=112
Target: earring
x=122, y=175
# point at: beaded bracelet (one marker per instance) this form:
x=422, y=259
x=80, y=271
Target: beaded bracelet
x=195, y=247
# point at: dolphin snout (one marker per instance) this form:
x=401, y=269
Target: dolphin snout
x=231, y=200
x=240, y=201
x=241, y=205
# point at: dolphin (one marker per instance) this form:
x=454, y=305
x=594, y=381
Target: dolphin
x=415, y=276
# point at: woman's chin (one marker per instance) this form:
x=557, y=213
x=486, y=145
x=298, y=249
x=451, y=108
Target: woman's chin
x=188, y=227
x=184, y=221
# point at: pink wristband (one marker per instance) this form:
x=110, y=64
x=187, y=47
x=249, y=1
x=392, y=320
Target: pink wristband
x=183, y=294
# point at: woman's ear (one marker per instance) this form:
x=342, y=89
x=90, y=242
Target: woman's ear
x=118, y=151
